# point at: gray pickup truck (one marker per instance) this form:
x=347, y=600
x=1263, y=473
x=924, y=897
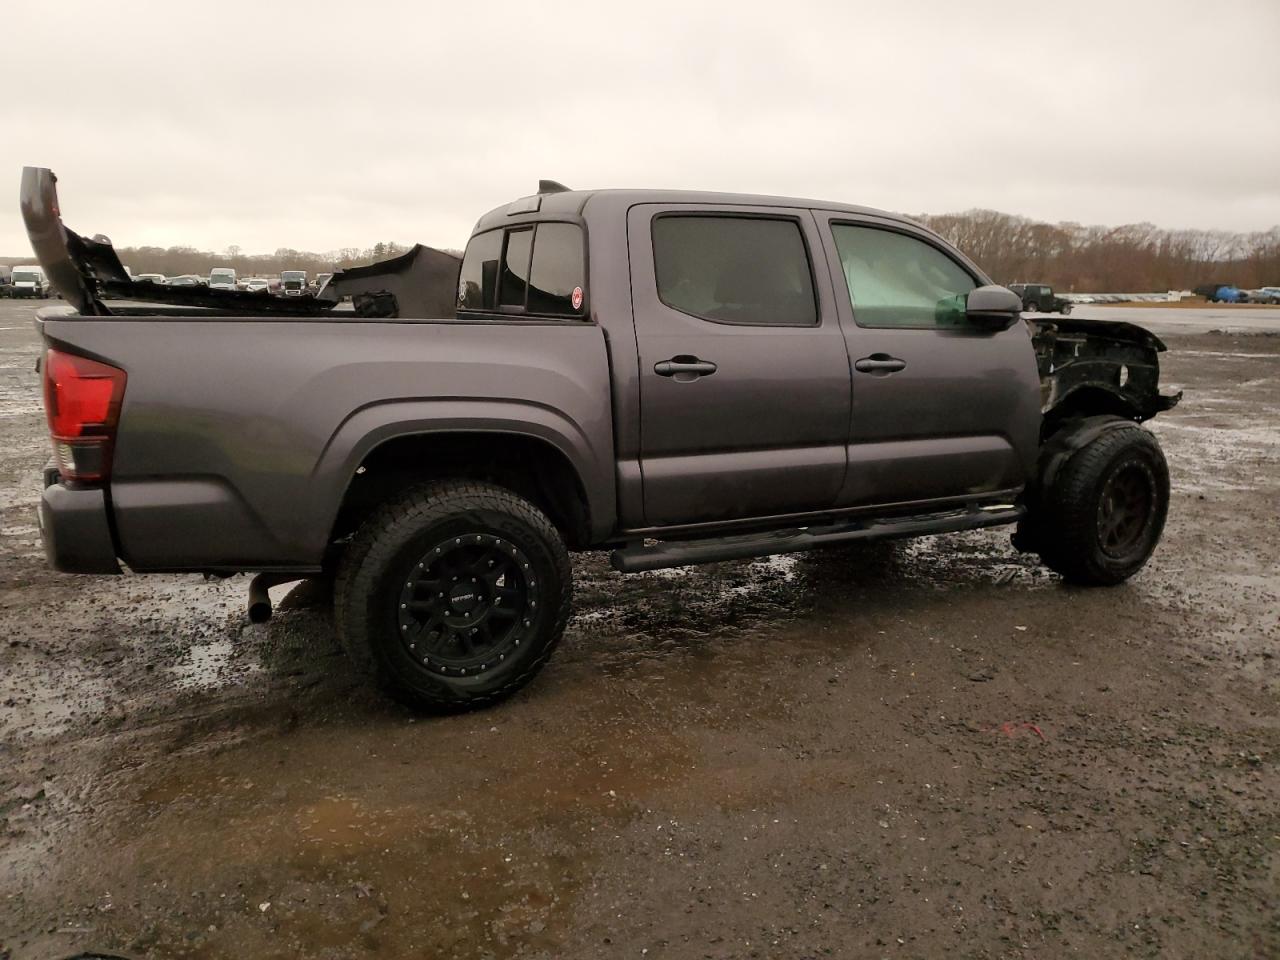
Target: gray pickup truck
x=677, y=377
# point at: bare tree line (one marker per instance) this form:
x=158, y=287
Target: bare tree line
x=1134, y=258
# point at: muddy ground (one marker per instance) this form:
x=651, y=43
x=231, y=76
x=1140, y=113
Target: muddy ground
x=927, y=750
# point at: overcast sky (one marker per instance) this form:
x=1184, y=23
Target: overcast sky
x=318, y=125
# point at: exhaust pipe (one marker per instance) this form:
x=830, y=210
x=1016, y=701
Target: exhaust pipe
x=259, y=599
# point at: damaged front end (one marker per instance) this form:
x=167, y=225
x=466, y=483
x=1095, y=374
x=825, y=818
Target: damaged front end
x=1097, y=367
x=422, y=283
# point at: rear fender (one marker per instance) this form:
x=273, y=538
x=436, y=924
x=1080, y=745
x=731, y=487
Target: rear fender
x=373, y=426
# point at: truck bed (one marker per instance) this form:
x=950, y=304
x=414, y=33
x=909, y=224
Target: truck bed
x=239, y=435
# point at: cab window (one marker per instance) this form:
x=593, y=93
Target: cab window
x=734, y=269
x=896, y=280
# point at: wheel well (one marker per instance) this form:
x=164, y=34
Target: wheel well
x=528, y=466
x=1089, y=401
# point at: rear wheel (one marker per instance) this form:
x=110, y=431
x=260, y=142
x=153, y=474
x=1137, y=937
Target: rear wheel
x=454, y=595
x=1031, y=307
x=1066, y=309
x=1104, y=513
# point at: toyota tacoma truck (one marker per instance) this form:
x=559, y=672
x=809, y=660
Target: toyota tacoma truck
x=676, y=377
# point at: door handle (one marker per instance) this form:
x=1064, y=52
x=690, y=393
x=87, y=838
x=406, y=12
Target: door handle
x=879, y=364
x=684, y=368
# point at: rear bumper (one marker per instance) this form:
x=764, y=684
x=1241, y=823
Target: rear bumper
x=75, y=529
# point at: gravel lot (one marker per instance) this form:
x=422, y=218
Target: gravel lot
x=933, y=749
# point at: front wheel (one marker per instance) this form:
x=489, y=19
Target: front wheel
x=1103, y=515
x=454, y=595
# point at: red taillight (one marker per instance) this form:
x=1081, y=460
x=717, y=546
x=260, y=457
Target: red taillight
x=82, y=402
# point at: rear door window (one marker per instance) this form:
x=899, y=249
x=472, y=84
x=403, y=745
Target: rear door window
x=530, y=270
x=734, y=269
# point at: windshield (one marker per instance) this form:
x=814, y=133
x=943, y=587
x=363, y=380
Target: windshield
x=26, y=276
x=293, y=275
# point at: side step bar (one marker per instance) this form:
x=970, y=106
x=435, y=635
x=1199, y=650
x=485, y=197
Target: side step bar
x=679, y=553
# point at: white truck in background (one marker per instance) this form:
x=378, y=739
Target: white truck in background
x=28, y=280
x=293, y=283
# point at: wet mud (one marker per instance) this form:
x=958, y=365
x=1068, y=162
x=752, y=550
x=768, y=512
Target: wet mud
x=925, y=749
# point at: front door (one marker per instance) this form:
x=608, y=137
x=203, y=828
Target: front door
x=744, y=377
x=941, y=408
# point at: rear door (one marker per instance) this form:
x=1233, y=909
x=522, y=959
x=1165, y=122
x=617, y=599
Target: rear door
x=744, y=377
x=941, y=408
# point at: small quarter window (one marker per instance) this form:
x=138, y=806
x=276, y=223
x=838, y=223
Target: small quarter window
x=896, y=280
x=478, y=279
x=515, y=268
x=734, y=269
x=556, y=269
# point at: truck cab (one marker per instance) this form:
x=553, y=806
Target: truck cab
x=293, y=283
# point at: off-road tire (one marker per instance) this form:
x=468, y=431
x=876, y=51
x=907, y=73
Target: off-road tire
x=1072, y=515
x=1031, y=307
x=1066, y=309
x=391, y=545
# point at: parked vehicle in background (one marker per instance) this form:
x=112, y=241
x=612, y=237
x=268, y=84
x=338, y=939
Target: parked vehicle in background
x=29, y=281
x=1265, y=295
x=1040, y=298
x=149, y=278
x=257, y=285
x=293, y=283
x=1228, y=294
x=725, y=377
x=320, y=280
x=222, y=278
x=185, y=280
x=6, y=278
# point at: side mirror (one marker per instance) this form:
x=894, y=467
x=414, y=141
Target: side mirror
x=992, y=307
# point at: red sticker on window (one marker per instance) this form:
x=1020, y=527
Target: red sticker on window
x=575, y=298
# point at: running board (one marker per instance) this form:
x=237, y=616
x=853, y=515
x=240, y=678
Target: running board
x=679, y=553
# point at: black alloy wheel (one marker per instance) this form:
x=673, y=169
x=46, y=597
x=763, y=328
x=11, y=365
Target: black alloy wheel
x=466, y=604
